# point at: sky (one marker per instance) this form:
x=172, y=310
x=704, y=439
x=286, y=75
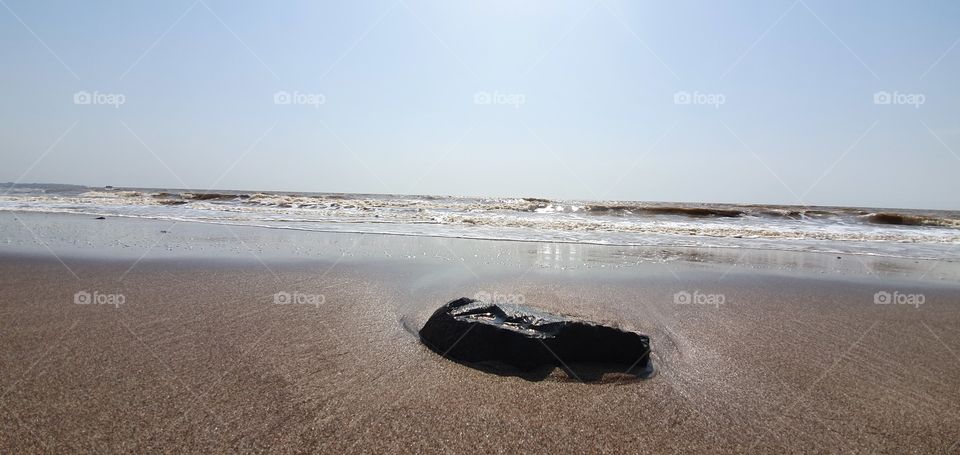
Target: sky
x=816, y=102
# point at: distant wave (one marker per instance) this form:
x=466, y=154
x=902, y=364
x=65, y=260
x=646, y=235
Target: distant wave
x=885, y=231
x=213, y=196
x=528, y=205
x=899, y=219
x=694, y=212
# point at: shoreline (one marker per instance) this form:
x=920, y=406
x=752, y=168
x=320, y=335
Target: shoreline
x=84, y=237
x=845, y=230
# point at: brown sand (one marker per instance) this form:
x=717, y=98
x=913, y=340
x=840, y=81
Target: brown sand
x=198, y=358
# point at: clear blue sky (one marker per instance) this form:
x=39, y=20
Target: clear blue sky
x=583, y=98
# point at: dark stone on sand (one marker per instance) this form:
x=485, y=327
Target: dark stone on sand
x=522, y=338
x=100, y=218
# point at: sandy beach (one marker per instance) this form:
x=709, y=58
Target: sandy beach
x=480, y=227
x=200, y=357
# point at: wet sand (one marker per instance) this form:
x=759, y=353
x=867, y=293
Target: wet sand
x=198, y=357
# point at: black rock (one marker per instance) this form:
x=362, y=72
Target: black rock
x=517, y=337
x=100, y=218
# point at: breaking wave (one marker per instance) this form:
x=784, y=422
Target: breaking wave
x=526, y=218
x=900, y=219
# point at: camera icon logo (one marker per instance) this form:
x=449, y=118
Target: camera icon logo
x=483, y=297
x=682, y=97
x=82, y=298
x=281, y=97
x=281, y=298
x=882, y=97
x=482, y=98
x=682, y=298
x=82, y=97
x=882, y=298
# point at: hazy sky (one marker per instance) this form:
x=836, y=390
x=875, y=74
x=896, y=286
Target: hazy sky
x=762, y=101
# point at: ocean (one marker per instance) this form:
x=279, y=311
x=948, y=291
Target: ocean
x=917, y=234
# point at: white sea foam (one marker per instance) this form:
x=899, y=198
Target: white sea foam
x=928, y=234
